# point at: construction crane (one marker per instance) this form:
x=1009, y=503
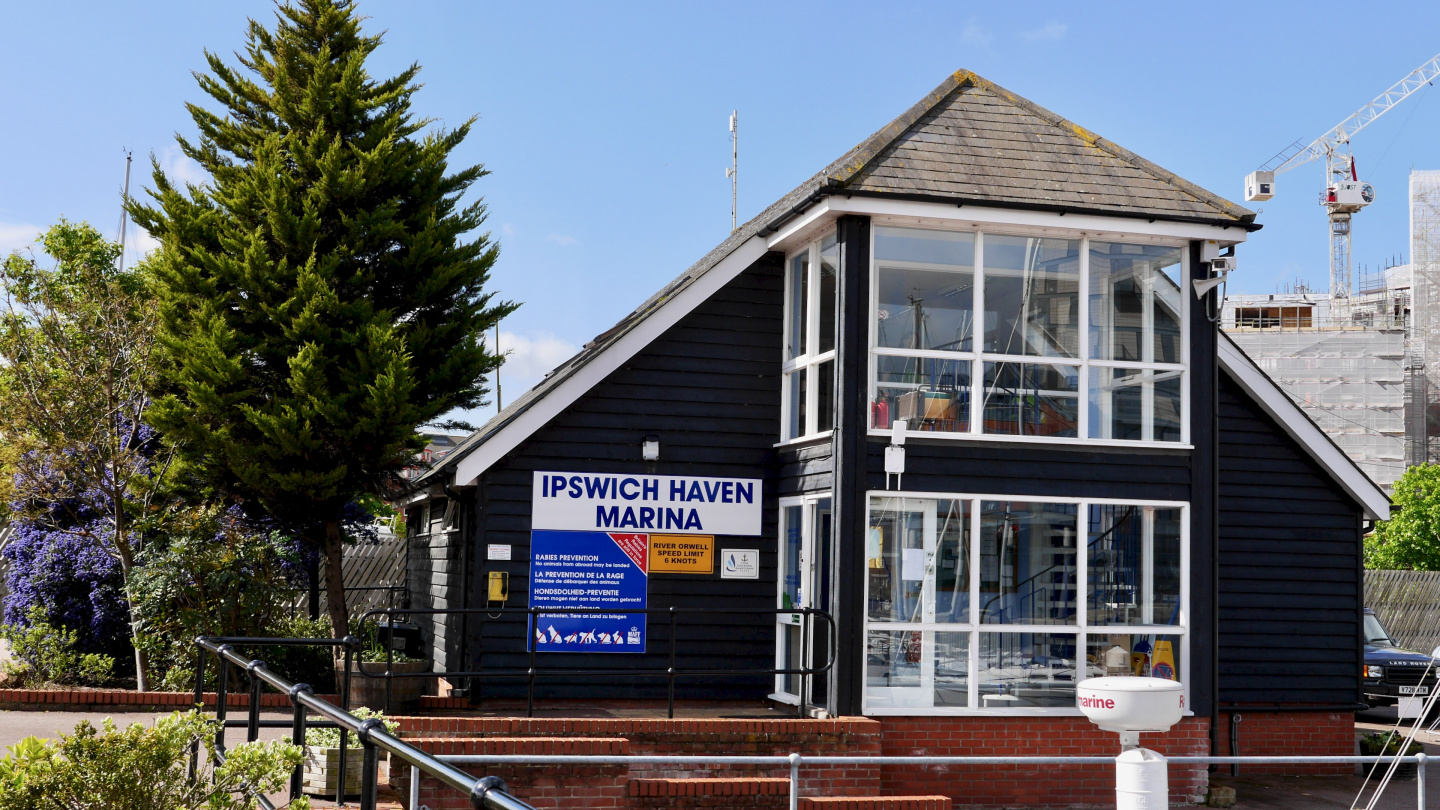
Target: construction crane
x=1345, y=194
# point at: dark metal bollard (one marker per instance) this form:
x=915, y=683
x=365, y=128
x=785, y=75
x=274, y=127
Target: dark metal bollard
x=351, y=643
x=200, y=702
x=370, y=770
x=252, y=728
x=297, y=737
x=670, y=673
x=222, y=698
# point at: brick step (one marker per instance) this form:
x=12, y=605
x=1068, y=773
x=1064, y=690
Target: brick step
x=708, y=792
x=877, y=803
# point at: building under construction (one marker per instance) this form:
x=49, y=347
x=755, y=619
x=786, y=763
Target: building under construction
x=1365, y=363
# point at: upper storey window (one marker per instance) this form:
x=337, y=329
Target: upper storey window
x=1075, y=338
x=808, y=396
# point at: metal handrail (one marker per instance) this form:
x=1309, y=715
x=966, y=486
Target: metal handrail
x=794, y=761
x=531, y=672
x=486, y=793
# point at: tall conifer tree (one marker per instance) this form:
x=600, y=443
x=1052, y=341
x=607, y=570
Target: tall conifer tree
x=320, y=299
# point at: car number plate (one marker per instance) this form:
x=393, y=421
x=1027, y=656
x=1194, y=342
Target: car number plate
x=1414, y=690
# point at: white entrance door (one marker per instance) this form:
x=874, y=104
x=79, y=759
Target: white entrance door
x=900, y=595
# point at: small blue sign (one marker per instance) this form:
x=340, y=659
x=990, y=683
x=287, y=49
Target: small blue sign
x=602, y=571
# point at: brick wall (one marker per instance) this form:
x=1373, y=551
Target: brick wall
x=602, y=787
x=1048, y=785
x=1292, y=734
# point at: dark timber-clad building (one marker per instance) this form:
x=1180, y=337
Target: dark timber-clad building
x=1080, y=448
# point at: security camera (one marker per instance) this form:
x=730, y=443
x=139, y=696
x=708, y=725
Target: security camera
x=1222, y=264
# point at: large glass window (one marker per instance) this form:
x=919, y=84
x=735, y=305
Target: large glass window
x=808, y=395
x=1061, y=590
x=1000, y=334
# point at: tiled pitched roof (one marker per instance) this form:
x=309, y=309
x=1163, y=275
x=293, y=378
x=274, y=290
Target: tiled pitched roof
x=968, y=140
x=977, y=141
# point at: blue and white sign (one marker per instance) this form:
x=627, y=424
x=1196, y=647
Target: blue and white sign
x=644, y=503
x=603, y=571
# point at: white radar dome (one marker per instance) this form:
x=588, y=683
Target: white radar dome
x=1128, y=703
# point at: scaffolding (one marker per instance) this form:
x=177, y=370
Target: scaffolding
x=1424, y=417
x=1350, y=380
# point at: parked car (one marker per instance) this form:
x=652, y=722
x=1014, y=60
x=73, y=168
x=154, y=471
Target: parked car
x=1391, y=671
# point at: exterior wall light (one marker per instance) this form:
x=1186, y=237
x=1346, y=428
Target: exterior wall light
x=650, y=448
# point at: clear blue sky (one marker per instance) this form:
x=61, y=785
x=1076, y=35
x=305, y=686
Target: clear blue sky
x=605, y=124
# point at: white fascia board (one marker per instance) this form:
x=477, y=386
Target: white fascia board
x=920, y=213
x=1290, y=417
x=600, y=366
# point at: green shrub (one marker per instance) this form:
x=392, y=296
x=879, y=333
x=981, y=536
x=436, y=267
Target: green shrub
x=45, y=654
x=207, y=572
x=372, y=649
x=23, y=754
x=139, y=768
x=330, y=737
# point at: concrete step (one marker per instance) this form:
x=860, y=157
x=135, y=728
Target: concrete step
x=877, y=803
x=708, y=792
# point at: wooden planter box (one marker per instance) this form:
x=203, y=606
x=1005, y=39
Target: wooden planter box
x=370, y=692
x=322, y=769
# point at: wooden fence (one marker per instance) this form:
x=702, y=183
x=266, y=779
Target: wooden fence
x=374, y=577
x=1408, y=603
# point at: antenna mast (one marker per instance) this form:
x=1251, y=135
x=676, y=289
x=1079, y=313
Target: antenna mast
x=734, y=171
x=124, y=215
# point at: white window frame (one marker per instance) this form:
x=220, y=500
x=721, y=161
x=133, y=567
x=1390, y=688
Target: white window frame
x=809, y=362
x=1081, y=628
x=1083, y=363
x=807, y=504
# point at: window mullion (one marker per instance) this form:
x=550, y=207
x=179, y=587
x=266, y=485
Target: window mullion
x=977, y=371
x=1084, y=338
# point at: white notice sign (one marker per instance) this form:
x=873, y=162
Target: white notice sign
x=496, y=551
x=642, y=503
x=740, y=563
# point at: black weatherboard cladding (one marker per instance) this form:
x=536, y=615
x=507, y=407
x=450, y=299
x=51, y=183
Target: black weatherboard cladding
x=1290, y=579
x=709, y=388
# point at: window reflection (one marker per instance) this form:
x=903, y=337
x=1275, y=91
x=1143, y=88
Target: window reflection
x=1028, y=564
x=1133, y=565
x=1135, y=302
x=930, y=393
x=926, y=283
x=1026, y=669
x=1031, y=399
x=1032, y=296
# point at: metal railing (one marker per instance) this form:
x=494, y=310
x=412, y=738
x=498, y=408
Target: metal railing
x=486, y=793
x=794, y=762
x=534, y=669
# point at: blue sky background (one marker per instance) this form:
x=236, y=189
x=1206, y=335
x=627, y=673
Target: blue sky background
x=604, y=125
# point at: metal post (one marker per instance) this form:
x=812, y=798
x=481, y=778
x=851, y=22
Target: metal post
x=200, y=707
x=804, y=656
x=794, y=781
x=350, y=642
x=415, y=788
x=222, y=697
x=389, y=662
x=370, y=769
x=530, y=675
x=252, y=727
x=670, y=674
x=1420, y=781
x=297, y=737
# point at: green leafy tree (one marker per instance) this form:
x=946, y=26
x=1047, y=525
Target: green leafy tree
x=140, y=768
x=321, y=297
x=76, y=362
x=1410, y=539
